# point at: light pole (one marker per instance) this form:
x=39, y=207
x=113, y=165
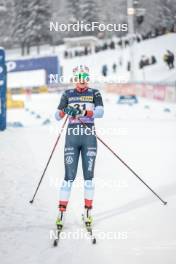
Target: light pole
x=131, y=13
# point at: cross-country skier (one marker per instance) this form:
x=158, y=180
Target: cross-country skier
x=80, y=103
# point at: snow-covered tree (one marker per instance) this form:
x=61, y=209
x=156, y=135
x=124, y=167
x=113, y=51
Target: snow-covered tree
x=167, y=13
x=90, y=11
x=21, y=20
x=159, y=14
x=74, y=11
x=28, y=20
x=6, y=23
x=38, y=26
x=31, y=25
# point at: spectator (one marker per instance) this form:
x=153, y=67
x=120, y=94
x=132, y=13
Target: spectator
x=120, y=44
x=120, y=61
x=128, y=66
x=76, y=53
x=169, y=59
x=126, y=43
x=114, y=67
x=86, y=51
x=145, y=61
x=105, y=46
x=112, y=45
x=65, y=54
x=153, y=59
x=105, y=70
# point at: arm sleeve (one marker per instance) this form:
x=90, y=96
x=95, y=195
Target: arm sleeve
x=99, y=108
x=98, y=98
x=63, y=102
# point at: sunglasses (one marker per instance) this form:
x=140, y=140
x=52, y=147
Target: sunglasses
x=82, y=76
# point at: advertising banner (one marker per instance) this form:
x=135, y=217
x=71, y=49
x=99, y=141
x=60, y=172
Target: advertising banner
x=50, y=64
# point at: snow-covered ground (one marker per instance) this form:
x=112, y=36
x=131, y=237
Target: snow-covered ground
x=156, y=73
x=145, y=231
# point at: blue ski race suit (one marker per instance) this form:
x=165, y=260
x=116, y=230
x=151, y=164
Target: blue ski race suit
x=80, y=139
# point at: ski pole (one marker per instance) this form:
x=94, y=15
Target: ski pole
x=44, y=171
x=126, y=165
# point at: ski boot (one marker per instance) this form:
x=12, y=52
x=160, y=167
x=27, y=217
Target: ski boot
x=59, y=224
x=88, y=220
x=59, y=220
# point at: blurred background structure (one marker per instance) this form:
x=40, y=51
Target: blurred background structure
x=136, y=75
x=25, y=24
x=136, y=62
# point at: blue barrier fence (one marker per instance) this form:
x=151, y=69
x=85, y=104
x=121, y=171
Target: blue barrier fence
x=3, y=90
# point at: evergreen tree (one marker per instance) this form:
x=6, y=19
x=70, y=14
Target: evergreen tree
x=21, y=20
x=74, y=11
x=31, y=24
x=26, y=22
x=159, y=14
x=90, y=11
x=38, y=27
x=6, y=23
x=167, y=11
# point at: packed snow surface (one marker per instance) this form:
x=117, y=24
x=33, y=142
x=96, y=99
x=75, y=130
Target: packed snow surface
x=143, y=136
